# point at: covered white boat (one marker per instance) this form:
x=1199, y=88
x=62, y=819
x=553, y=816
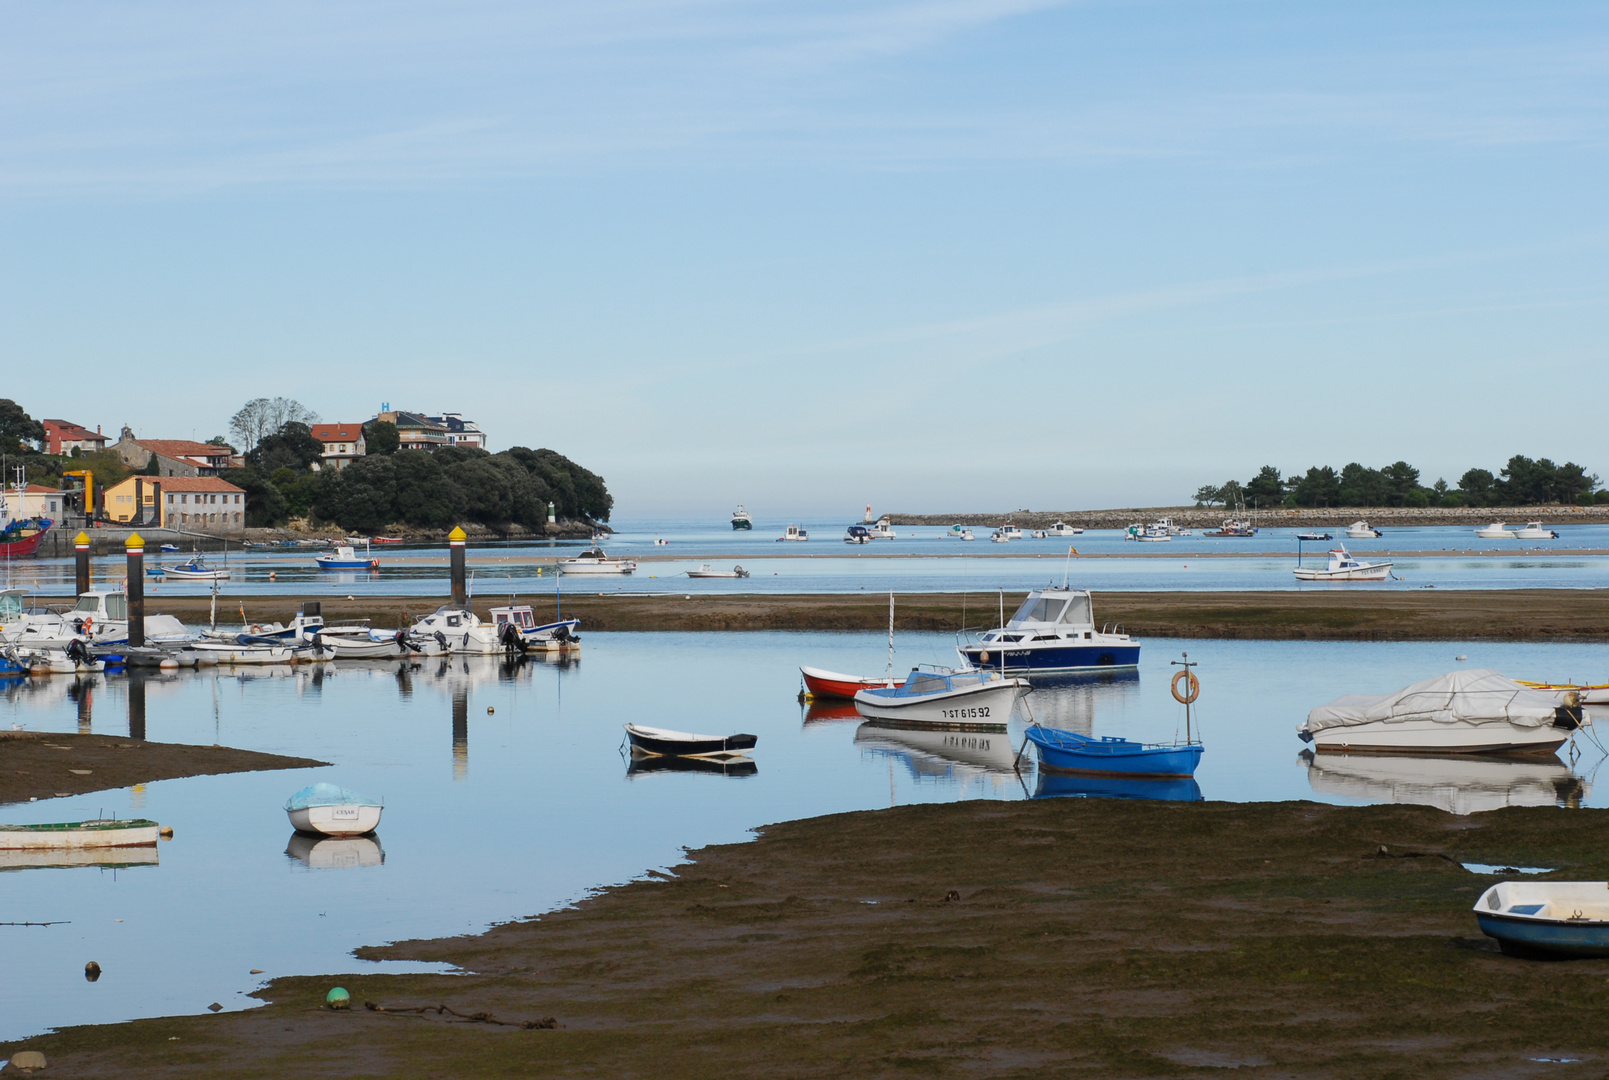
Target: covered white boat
x=962, y=700
x=1342, y=566
x=332, y=810
x=1534, y=531
x=1474, y=711
x=595, y=561
x=1362, y=530
x=1497, y=530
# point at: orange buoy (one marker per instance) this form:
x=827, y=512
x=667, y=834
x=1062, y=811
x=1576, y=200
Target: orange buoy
x=1192, y=687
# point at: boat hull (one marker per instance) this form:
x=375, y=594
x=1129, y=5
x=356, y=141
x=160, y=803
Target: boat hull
x=346, y=564
x=597, y=568
x=79, y=835
x=985, y=707
x=1075, y=754
x=1431, y=737
x=662, y=743
x=1371, y=572
x=1554, y=919
x=341, y=820
x=1051, y=658
x=28, y=545
x=830, y=684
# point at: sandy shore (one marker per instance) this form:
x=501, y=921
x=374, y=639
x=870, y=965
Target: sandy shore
x=1069, y=937
x=39, y=764
x=1376, y=615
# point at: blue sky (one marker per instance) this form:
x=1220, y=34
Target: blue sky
x=967, y=254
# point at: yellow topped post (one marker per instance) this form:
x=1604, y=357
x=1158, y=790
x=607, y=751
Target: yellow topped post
x=455, y=543
x=135, y=546
x=81, y=557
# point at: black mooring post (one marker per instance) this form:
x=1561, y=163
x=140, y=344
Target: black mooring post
x=81, y=554
x=136, y=704
x=135, y=546
x=460, y=734
x=455, y=542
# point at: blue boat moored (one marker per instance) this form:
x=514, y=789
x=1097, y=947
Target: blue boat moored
x=1070, y=752
x=1557, y=919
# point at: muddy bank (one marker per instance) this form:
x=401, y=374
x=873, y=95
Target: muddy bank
x=38, y=765
x=1076, y=937
x=1407, y=615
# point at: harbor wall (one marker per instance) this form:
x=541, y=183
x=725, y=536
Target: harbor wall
x=1194, y=517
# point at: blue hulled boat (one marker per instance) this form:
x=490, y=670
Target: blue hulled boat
x=1547, y=918
x=1053, y=631
x=1070, y=752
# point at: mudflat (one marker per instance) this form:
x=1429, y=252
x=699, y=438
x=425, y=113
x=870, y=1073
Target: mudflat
x=1070, y=937
x=37, y=765
x=1369, y=615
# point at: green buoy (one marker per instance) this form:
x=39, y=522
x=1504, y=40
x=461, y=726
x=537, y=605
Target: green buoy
x=338, y=999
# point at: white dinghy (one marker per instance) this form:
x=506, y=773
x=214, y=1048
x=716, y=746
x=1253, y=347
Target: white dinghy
x=332, y=810
x=1474, y=711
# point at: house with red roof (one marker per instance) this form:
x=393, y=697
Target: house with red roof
x=193, y=503
x=64, y=436
x=343, y=444
x=175, y=457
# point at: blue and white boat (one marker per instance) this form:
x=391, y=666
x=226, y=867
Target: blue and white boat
x=957, y=700
x=346, y=558
x=194, y=569
x=1070, y=752
x=1053, y=631
x=1547, y=918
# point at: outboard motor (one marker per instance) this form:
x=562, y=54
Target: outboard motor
x=76, y=652
x=513, y=640
x=561, y=633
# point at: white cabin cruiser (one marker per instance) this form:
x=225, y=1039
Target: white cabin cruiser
x=1053, y=631
x=1362, y=530
x=883, y=530
x=517, y=629
x=1497, y=530
x=1343, y=567
x=1471, y=711
x=1534, y=531
x=99, y=618
x=793, y=533
x=1010, y=531
x=1061, y=528
x=594, y=561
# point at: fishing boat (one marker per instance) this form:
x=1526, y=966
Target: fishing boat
x=345, y=557
x=595, y=561
x=333, y=811
x=883, y=530
x=516, y=629
x=1497, y=530
x=1314, y=536
x=21, y=538
x=1085, y=755
x=97, y=833
x=857, y=534
x=194, y=568
x=1010, y=531
x=1343, y=567
x=1234, y=527
x=707, y=571
x=741, y=518
x=389, y=540
x=1546, y=918
x=794, y=533
x=663, y=742
x=1534, y=531
x=1053, y=631
x=1470, y=711
x=964, y=700
x=1362, y=530
x=820, y=683
x=1061, y=528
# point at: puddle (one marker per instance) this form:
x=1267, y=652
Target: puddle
x=1493, y=868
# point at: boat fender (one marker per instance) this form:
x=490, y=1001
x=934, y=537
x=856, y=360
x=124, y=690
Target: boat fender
x=1192, y=687
x=983, y=657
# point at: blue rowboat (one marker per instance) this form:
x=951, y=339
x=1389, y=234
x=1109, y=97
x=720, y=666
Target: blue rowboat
x=1547, y=918
x=1064, y=785
x=1068, y=751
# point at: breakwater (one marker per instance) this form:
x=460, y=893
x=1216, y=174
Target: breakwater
x=1328, y=518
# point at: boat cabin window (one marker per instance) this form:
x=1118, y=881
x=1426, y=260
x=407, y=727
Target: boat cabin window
x=525, y=619
x=1078, y=613
x=502, y=620
x=1039, y=609
x=91, y=604
x=10, y=607
x=452, y=620
x=116, y=606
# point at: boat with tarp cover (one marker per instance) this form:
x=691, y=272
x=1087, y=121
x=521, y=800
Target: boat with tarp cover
x=332, y=810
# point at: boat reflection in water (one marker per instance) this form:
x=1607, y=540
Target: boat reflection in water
x=335, y=852
x=828, y=711
x=1069, y=702
x=640, y=766
x=1458, y=784
x=48, y=858
x=1064, y=785
x=932, y=752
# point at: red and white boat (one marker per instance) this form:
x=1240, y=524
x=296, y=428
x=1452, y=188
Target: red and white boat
x=31, y=533
x=831, y=684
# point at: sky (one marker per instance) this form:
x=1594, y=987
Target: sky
x=928, y=255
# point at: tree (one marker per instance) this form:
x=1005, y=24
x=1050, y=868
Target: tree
x=1362, y=486
x=219, y=440
x=380, y=437
x=1479, y=487
x=17, y=429
x=265, y=506
x=1319, y=487
x=292, y=447
x=1207, y=494
x=1400, y=480
x=153, y=466
x=1266, y=488
x=262, y=417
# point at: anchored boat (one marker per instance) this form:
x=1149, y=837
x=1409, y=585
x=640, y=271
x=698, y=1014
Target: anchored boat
x=332, y=810
x=346, y=558
x=1053, y=631
x=98, y=833
x=664, y=742
x=965, y=700
x=1343, y=567
x=193, y=569
x=707, y=571
x=595, y=561
x=741, y=518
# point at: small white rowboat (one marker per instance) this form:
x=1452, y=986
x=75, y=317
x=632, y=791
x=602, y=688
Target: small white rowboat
x=102, y=833
x=333, y=811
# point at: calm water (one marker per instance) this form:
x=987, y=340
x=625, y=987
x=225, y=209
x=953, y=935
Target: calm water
x=496, y=815
x=920, y=560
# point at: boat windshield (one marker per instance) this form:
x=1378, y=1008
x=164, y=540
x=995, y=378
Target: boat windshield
x=10, y=606
x=923, y=683
x=1038, y=608
x=1078, y=613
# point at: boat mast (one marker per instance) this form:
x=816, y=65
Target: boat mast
x=890, y=679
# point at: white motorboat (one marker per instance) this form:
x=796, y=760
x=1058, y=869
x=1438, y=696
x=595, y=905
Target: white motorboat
x=1471, y=711
x=793, y=533
x=741, y=518
x=999, y=537
x=307, y=624
x=883, y=530
x=964, y=700
x=75, y=659
x=595, y=561
x=1362, y=530
x=1061, y=528
x=954, y=532
x=708, y=571
x=1052, y=632
x=333, y=811
x=99, y=618
x=1158, y=532
x=1497, y=530
x=1457, y=783
x=518, y=630
x=80, y=835
x=1010, y=531
x=1534, y=531
x=1039, y=534
x=457, y=630
x=193, y=569
x=246, y=649
x=375, y=645
x=966, y=534
x=1343, y=567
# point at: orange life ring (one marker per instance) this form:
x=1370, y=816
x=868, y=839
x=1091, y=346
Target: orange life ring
x=89, y=623
x=1192, y=684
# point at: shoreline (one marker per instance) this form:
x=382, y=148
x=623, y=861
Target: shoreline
x=1069, y=936
x=1191, y=516
x=1575, y=615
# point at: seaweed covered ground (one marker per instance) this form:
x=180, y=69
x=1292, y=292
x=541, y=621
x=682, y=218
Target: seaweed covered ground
x=1339, y=615
x=1071, y=937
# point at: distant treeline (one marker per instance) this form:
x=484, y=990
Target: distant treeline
x=428, y=489
x=1522, y=482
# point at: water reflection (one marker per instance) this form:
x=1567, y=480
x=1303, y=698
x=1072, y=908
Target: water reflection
x=1070, y=702
x=930, y=753
x=335, y=852
x=1464, y=784
x=110, y=858
x=1174, y=789
x=642, y=766
x=830, y=712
